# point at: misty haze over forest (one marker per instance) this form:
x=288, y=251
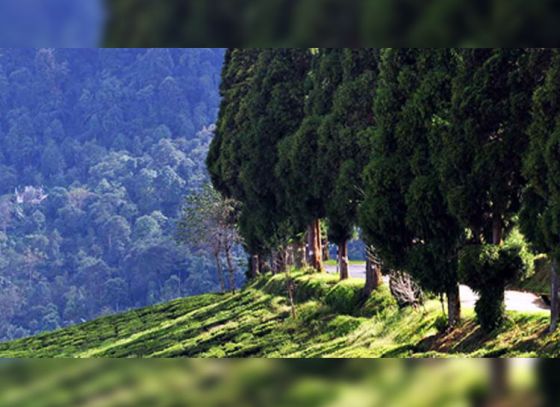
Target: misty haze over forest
x=98, y=149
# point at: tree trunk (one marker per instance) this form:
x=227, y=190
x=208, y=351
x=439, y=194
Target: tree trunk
x=554, y=310
x=325, y=250
x=299, y=255
x=231, y=270
x=315, y=250
x=497, y=231
x=282, y=259
x=262, y=264
x=291, y=255
x=319, y=247
x=343, y=259
x=220, y=272
x=310, y=244
x=373, y=274
x=272, y=262
x=453, y=306
x=497, y=239
x=255, y=266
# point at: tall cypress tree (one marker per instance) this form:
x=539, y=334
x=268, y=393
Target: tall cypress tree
x=404, y=213
x=540, y=213
x=438, y=235
x=225, y=154
x=301, y=168
x=344, y=145
x=481, y=166
x=383, y=211
x=275, y=106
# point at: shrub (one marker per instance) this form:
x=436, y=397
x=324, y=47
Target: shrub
x=516, y=239
x=489, y=308
x=487, y=269
x=307, y=286
x=344, y=297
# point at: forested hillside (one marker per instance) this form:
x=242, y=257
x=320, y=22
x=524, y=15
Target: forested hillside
x=97, y=150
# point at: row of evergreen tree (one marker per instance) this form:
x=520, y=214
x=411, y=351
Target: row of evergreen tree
x=436, y=155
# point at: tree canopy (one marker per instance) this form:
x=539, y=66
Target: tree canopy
x=422, y=150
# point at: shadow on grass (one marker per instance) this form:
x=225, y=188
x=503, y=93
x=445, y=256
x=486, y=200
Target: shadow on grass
x=470, y=338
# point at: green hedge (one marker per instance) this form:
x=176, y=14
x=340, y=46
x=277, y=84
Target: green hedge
x=343, y=297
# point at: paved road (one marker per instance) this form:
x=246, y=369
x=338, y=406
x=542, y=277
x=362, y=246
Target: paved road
x=515, y=300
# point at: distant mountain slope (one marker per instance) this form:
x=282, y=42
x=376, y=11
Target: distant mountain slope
x=331, y=321
x=98, y=149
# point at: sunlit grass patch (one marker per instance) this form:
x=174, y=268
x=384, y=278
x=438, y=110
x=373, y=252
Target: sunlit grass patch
x=332, y=319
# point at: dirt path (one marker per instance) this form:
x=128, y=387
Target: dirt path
x=515, y=300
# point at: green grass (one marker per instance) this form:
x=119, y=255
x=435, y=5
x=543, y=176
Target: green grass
x=333, y=320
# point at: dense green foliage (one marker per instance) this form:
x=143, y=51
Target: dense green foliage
x=225, y=154
x=482, y=152
x=227, y=150
x=481, y=170
x=300, y=165
x=425, y=145
x=488, y=269
x=540, y=214
x=404, y=213
x=276, y=105
x=305, y=116
x=97, y=150
x=257, y=322
x=344, y=142
x=263, y=103
x=384, y=210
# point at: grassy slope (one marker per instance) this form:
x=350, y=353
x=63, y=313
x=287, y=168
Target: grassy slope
x=331, y=322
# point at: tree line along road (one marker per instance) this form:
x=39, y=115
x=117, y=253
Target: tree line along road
x=514, y=300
